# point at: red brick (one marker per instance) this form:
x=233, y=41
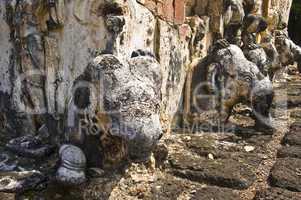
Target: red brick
x=166, y=10
x=179, y=10
x=169, y=10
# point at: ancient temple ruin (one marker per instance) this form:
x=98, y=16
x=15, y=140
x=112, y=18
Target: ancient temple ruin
x=150, y=99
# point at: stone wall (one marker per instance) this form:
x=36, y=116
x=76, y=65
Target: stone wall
x=59, y=41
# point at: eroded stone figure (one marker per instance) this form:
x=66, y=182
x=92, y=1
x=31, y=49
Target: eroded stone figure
x=233, y=18
x=133, y=95
x=237, y=80
x=129, y=123
x=268, y=44
x=252, y=50
x=289, y=52
x=35, y=126
x=199, y=29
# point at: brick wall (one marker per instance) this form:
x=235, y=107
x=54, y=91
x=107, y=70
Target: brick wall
x=170, y=10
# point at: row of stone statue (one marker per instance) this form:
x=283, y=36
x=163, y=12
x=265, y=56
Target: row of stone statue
x=241, y=69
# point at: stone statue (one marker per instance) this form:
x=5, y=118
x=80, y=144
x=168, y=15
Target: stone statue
x=233, y=18
x=237, y=80
x=252, y=50
x=268, y=45
x=128, y=122
x=289, y=52
x=137, y=102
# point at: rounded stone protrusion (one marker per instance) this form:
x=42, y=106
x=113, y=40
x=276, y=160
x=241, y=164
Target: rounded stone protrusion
x=29, y=146
x=6, y=164
x=72, y=166
x=115, y=24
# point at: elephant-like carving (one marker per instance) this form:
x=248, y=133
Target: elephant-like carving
x=233, y=18
x=252, y=50
x=236, y=80
x=288, y=51
x=130, y=91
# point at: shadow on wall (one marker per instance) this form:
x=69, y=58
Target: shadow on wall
x=295, y=22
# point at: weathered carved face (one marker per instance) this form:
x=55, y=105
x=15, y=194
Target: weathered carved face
x=234, y=12
x=131, y=99
x=254, y=24
x=236, y=69
x=284, y=48
x=238, y=78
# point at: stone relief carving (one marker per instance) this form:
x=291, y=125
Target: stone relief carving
x=29, y=59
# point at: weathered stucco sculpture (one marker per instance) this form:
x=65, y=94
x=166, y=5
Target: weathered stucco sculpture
x=108, y=78
x=29, y=95
x=131, y=99
x=252, y=50
x=233, y=18
x=288, y=51
x=237, y=80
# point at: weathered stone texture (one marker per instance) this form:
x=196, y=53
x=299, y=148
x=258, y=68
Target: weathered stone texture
x=286, y=174
x=139, y=62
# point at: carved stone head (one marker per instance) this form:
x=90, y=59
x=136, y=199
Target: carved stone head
x=131, y=96
x=234, y=12
x=283, y=47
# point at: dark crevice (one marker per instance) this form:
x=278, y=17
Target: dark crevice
x=295, y=22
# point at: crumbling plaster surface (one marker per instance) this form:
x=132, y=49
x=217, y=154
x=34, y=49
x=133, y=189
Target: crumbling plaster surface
x=156, y=26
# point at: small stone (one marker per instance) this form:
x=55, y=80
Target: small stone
x=73, y=164
x=210, y=156
x=187, y=138
x=249, y=148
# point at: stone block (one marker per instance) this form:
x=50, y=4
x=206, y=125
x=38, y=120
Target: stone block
x=286, y=174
